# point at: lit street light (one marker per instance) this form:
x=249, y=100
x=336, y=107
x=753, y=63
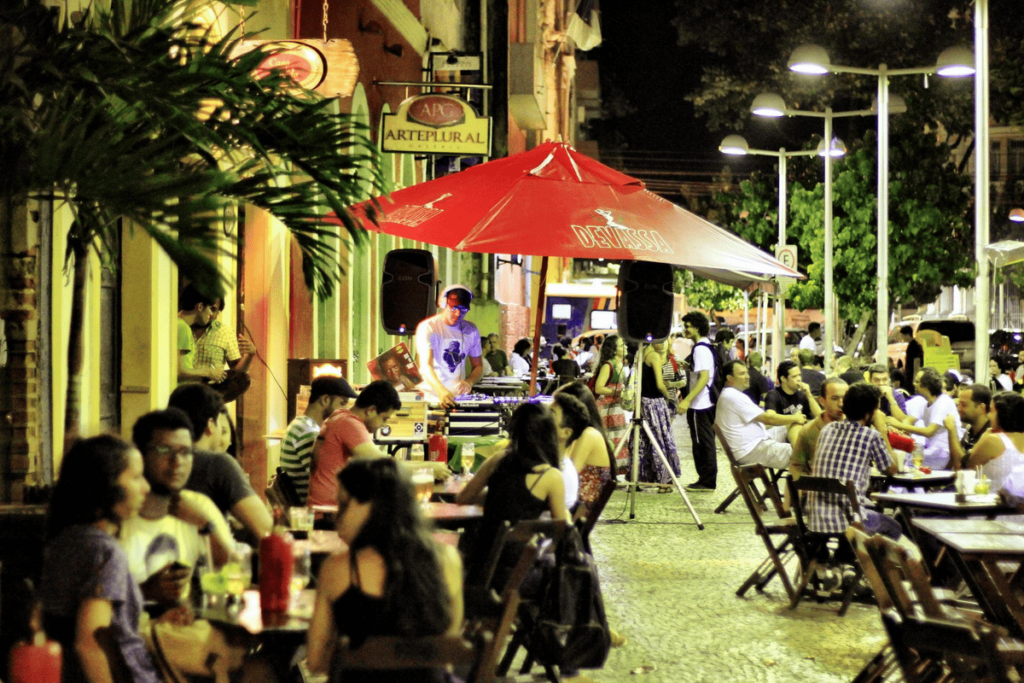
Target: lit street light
x=953, y=62
x=773, y=106
x=735, y=145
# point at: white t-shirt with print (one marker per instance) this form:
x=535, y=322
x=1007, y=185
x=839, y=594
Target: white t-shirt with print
x=451, y=345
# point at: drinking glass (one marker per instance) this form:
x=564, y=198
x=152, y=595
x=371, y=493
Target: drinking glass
x=301, y=568
x=423, y=482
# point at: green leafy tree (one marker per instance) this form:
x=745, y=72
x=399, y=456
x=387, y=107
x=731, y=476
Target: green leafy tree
x=707, y=295
x=135, y=111
x=929, y=229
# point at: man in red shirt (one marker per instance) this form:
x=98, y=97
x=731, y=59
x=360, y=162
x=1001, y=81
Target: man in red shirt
x=348, y=434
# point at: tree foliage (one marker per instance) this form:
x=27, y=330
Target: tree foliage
x=137, y=110
x=707, y=295
x=930, y=234
x=748, y=45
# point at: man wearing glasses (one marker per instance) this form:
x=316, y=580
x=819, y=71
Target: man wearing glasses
x=163, y=543
x=444, y=342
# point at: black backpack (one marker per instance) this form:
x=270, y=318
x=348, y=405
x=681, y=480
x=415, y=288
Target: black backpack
x=720, y=356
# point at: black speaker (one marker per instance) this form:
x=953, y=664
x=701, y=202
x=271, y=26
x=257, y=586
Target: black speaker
x=407, y=292
x=563, y=329
x=645, y=301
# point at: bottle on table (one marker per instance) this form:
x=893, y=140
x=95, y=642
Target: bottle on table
x=276, y=562
x=36, y=660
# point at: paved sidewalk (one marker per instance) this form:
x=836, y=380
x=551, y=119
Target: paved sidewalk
x=670, y=589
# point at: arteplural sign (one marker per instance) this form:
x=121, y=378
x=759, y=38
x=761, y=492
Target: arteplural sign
x=437, y=124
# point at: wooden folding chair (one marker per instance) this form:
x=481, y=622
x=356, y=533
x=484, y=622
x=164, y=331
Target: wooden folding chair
x=958, y=651
x=813, y=544
x=773, y=478
x=585, y=521
x=778, y=554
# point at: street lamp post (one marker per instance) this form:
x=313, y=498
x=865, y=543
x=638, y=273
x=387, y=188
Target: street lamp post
x=981, y=191
x=735, y=145
x=813, y=59
x=772, y=105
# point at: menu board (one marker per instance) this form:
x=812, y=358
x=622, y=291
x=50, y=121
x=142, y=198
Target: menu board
x=397, y=367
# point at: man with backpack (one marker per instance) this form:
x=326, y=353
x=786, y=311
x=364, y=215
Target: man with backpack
x=699, y=404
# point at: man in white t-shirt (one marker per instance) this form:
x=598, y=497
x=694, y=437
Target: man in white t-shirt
x=164, y=542
x=940, y=405
x=742, y=423
x=697, y=405
x=812, y=340
x=444, y=342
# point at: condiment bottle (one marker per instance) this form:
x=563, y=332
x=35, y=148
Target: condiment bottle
x=276, y=568
x=36, y=660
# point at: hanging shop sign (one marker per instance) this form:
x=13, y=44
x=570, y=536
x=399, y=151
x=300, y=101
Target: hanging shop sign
x=329, y=67
x=437, y=124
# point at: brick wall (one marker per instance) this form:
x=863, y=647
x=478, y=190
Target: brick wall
x=514, y=325
x=18, y=310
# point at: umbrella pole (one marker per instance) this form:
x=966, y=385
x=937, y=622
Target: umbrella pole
x=538, y=321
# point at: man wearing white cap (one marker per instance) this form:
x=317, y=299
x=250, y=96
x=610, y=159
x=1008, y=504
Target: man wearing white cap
x=444, y=342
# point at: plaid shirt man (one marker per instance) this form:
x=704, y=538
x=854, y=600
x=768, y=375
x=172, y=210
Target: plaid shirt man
x=846, y=450
x=219, y=344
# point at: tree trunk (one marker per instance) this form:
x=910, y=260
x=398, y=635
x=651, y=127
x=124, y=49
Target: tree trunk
x=76, y=352
x=862, y=327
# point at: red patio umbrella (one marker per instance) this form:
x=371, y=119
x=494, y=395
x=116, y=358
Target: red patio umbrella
x=554, y=201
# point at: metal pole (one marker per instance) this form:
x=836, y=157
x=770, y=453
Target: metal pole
x=981, y=191
x=829, y=310
x=779, y=336
x=883, y=214
x=746, y=323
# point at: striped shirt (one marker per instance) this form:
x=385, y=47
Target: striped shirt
x=297, y=452
x=219, y=344
x=846, y=450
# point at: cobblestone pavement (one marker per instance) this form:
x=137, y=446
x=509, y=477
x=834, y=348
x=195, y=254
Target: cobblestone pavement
x=671, y=590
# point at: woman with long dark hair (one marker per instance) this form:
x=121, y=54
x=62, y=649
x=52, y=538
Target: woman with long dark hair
x=91, y=603
x=655, y=398
x=610, y=390
x=586, y=444
x=394, y=579
x=1002, y=446
x=520, y=483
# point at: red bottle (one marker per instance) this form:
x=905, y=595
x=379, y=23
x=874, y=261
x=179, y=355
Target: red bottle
x=38, y=661
x=439, y=448
x=276, y=570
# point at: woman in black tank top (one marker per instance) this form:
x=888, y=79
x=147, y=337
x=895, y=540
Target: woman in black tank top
x=394, y=580
x=522, y=483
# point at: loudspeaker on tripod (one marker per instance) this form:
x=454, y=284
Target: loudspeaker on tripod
x=645, y=300
x=407, y=293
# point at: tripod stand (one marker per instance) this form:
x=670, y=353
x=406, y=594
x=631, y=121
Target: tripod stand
x=636, y=424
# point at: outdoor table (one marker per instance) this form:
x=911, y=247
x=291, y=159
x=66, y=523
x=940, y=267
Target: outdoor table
x=976, y=548
x=446, y=491
x=444, y=515
x=327, y=542
x=989, y=504
x=913, y=479
x=251, y=619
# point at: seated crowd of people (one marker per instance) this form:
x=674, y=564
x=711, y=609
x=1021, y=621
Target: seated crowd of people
x=849, y=426
x=130, y=524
